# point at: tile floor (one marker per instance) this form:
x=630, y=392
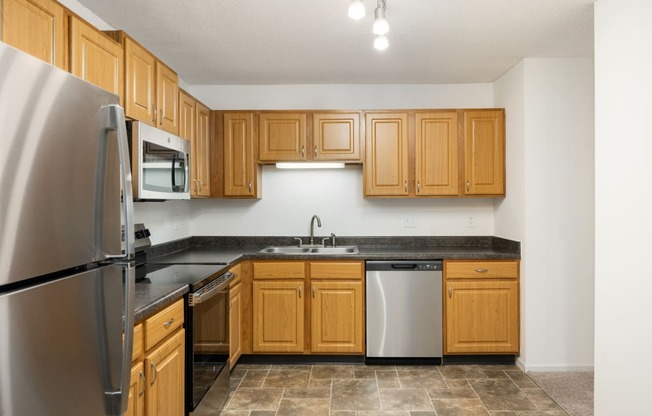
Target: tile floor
x=361, y=390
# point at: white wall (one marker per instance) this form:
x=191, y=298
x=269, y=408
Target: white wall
x=623, y=286
x=167, y=221
x=291, y=198
x=550, y=208
x=357, y=97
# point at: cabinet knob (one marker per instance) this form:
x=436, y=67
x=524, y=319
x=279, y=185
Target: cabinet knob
x=468, y=184
x=450, y=292
x=315, y=150
x=300, y=291
x=160, y=121
x=195, y=182
x=154, y=114
x=481, y=270
x=142, y=383
x=168, y=323
x=303, y=151
x=250, y=186
x=201, y=185
x=405, y=186
x=313, y=292
x=418, y=186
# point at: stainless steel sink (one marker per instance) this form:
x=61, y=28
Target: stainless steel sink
x=310, y=250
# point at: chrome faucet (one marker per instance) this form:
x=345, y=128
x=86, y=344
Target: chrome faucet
x=312, y=228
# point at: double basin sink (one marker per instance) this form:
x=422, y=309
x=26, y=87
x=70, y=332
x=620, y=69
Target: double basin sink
x=310, y=250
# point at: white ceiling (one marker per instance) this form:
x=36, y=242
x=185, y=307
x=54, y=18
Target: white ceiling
x=315, y=42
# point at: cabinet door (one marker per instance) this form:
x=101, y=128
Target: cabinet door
x=202, y=150
x=337, y=317
x=140, y=94
x=136, y=406
x=235, y=324
x=96, y=58
x=187, y=126
x=167, y=98
x=482, y=317
x=164, y=368
x=282, y=137
x=36, y=27
x=386, y=161
x=278, y=316
x=336, y=136
x=240, y=177
x=436, y=154
x=484, y=152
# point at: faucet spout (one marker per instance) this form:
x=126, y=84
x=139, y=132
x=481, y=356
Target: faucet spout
x=312, y=228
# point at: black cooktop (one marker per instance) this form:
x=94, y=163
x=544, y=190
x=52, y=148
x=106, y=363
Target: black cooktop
x=195, y=275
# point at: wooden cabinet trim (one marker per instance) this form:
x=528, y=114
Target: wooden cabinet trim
x=336, y=270
x=164, y=323
x=279, y=270
x=481, y=269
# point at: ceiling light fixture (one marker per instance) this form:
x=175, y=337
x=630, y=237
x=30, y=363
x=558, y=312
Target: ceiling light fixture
x=381, y=42
x=310, y=165
x=356, y=10
x=381, y=26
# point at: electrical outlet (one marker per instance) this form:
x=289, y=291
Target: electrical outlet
x=409, y=223
x=470, y=221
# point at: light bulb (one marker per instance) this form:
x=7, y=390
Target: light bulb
x=381, y=26
x=356, y=10
x=381, y=42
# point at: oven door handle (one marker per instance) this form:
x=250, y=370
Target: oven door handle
x=219, y=285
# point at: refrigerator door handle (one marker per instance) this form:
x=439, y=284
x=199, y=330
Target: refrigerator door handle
x=117, y=400
x=117, y=122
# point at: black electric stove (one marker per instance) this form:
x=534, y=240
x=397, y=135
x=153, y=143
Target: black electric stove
x=194, y=275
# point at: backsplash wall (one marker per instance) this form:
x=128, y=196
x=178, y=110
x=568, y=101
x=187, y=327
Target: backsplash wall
x=291, y=198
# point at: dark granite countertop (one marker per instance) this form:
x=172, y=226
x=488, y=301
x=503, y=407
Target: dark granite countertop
x=151, y=299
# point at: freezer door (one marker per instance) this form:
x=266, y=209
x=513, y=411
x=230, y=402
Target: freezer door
x=60, y=176
x=61, y=349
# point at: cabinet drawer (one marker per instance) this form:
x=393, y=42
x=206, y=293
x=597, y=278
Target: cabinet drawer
x=163, y=324
x=280, y=269
x=336, y=270
x=481, y=269
x=237, y=271
x=138, y=343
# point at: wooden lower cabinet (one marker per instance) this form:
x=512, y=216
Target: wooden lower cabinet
x=337, y=317
x=481, y=306
x=327, y=320
x=136, y=405
x=235, y=317
x=278, y=316
x=165, y=375
x=157, y=380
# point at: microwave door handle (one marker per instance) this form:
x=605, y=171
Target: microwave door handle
x=174, y=179
x=186, y=172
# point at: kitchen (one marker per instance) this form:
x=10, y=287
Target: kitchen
x=553, y=222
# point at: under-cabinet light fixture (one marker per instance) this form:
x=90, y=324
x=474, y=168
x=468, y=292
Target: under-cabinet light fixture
x=310, y=165
x=380, y=27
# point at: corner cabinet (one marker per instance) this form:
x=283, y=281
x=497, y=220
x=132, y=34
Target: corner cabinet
x=481, y=307
x=329, y=319
x=484, y=152
x=96, y=58
x=242, y=175
x=37, y=27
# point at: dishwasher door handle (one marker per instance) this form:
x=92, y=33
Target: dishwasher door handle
x=400, y=266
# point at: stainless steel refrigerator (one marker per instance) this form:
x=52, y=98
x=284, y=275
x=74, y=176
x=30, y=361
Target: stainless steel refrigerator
x=66, y=244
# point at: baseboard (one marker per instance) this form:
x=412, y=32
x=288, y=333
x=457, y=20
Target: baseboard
x=556, y=368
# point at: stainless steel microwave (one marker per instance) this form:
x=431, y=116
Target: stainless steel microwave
x=160, y=163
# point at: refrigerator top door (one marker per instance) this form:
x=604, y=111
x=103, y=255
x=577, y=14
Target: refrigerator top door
x=60, y=176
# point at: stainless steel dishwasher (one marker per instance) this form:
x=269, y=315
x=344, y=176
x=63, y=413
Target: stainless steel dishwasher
x=404, y=309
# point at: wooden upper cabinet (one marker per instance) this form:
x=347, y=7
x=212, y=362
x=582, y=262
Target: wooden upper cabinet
x=436, y=154
x=96, y=58
x=186, y=116
x=140, y=92
x=336, y=136
x=240, y=168
x=282, y=137
x=386, y=161
x=202, y=150
x=167, y=98
x=484, y=152
x=36, y=27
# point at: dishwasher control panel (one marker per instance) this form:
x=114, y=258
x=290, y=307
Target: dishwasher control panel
x=405, y=265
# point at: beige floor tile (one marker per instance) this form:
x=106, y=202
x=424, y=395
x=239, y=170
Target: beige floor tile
x=254, y=378
x=234, y=413
x=503, y=413
x=307, y=393
x=417, y=367
x=495, y=373
x=455, y=383
x=287, y=379
x=320, y=383
x=263, y=413
x=255, y=399
x=404, y=399
x=295, y=367
x=459, y=407
x=421, y=379
x=521, y=379
x=332, y=371
x=461, y=371
x=384, y=413
x=544, y=413
x=355, y=395
x=452, y=393
x=343, y=413
x=303, y=407
x=253, y=366
x=499, y=394
x=364, y=374
x=388, y=379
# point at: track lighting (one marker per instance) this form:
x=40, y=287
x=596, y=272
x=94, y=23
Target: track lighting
x=380, y=27
x=356, y=10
